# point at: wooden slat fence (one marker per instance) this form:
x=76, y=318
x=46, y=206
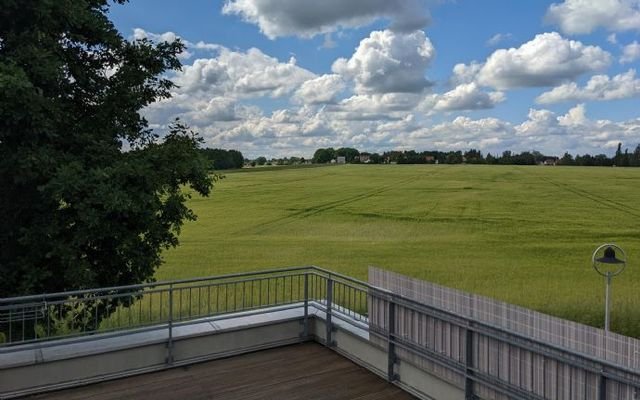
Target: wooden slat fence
x=535, y=355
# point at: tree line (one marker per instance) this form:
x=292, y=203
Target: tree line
x=220, y=159
x=473, y=156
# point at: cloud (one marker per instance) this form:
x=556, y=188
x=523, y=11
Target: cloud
x=466, y=96
x=388, y=106
x=307, y=18
x=599, y=87
x=499, y=38
x=210, y=91
x=321, y=90
x=488, y=134
x=575, y=132
x=388, y=62
x=328, y=42
x=170, y=37
x=630, y=53
x=463, y=73
x=242, y=74
x=546, y=60
x=584, y=16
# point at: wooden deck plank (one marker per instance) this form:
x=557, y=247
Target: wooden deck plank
x=305, y=371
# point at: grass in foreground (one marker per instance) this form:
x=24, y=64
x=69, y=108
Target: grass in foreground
x=518, y=234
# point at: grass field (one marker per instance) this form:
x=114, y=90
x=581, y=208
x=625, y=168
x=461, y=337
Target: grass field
x=518, y=234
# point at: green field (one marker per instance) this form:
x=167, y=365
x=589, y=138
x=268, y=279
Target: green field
x=518, y=234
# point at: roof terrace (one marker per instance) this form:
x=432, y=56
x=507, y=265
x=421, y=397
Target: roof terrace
x=303, y=333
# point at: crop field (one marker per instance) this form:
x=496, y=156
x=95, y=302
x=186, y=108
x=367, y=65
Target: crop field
x=519, y=234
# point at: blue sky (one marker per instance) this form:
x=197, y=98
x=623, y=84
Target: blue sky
x=284, y=77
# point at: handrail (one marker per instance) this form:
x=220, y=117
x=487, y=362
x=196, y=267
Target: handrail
x=331, y=284
x=150, y=284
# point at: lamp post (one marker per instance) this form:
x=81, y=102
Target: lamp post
x=606, y=262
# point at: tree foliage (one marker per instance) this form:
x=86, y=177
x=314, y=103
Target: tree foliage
x=323, y=156
x=89, y=195
x=220, y=159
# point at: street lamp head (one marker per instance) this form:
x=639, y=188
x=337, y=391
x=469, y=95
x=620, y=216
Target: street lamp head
x=609, y=257
x=609, y=260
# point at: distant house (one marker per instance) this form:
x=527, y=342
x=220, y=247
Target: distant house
x=550, y=161
x=341, y=160
x=364, y=157
x=429, y=159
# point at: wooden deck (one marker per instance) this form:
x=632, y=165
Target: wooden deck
x=305, y=371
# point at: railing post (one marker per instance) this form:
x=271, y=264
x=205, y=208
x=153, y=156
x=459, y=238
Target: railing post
x=305, y=329
x=468, y=382
x=329, y=331
x=169, y=357
x=391, y=346
x=602, y=388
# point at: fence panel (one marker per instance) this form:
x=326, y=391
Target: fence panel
x=541, y=356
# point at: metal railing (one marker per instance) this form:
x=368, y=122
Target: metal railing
x=41, y=320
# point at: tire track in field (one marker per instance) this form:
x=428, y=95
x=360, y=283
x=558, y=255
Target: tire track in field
x=310, y=211
x=595, y=198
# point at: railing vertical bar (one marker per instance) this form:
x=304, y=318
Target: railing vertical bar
x=235, y=299
x=217, y=299
x=329, y=303
x=225, y=308
x=602, y=388
x=199, y=301
x=169, y=358
x=305, y=331
x=468, y=383
x=150, y=306
x=47, y=311
x=275, y=290
x=391, y=347
x=209, y=300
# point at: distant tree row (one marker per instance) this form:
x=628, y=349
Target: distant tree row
x=220, y=159
x=323, y=156
x=473, y=156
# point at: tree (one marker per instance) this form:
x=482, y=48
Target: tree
x=617, y=159
x=220, y=159
x=89, y=194
x=348, y=153
x=323, y=156
x=261, y=160
x=567, y=159
x=473, y=156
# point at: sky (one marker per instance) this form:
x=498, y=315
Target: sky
x=282, y=78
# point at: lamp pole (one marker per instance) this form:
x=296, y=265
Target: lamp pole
x=608, y=265
x=607, y=297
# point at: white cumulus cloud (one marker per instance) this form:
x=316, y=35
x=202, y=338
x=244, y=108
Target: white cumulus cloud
x=387, y=62
x=323, y=89
x=466, y=96
x=599, y=87
x=307, y=18
x=584, y=16
x=242, y=74
x=546, y=60
x=499, y=38
x=630, y=53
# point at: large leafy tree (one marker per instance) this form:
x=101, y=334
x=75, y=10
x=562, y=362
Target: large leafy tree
x=89, y=196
